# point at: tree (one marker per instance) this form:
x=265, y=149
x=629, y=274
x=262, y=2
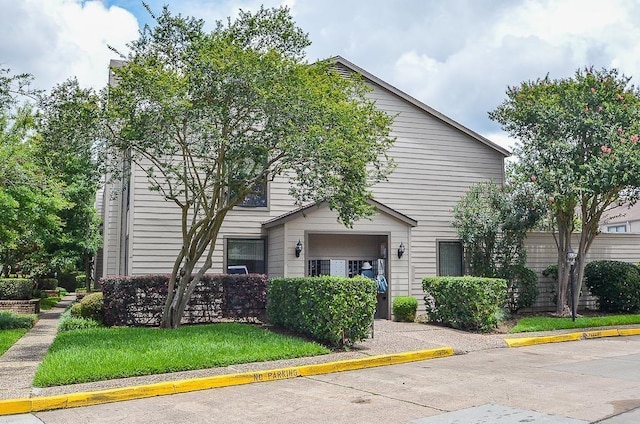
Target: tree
x=492, y=222
x=578, y=143
x=29, y=198
x=211, y=116
x=68, y=137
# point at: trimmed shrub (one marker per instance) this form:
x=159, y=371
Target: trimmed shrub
x=10, y=320
x=92, y=307
x=81, y=281
x=76, y=310
x=333, y=310
x=139, y=300
x=46, y=283
x=522, y=290
x=17, y=288
x=616, y=285
x=465, y=303
x=67, y=280
x=404, y=308
x=70, y=322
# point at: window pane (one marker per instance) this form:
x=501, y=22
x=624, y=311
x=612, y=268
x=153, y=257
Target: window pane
x=257, y=200
x=450, y=258
x=250, y=253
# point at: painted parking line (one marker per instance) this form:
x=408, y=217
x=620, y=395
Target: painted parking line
x=72, y=400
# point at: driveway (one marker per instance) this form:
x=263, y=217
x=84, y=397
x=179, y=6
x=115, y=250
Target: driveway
x=575, y=382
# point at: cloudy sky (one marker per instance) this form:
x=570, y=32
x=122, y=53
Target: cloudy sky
x=457, y=56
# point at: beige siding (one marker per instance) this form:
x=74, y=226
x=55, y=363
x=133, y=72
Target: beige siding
x=275, y=252
x=542, y=252
x=111, y=230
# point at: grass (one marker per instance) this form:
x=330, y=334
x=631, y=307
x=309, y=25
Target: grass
x=550, y=323
x=47, y=303
x=104, y=353
x=9, y=337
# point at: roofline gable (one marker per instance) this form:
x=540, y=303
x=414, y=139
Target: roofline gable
x=431, y=111
x=301, y=211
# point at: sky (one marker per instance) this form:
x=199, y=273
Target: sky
x=457, y=56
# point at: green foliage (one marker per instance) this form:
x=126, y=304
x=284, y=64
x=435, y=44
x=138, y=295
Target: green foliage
x=47, y=283
x=333, y=310
x=17, y=288
x=616, y=284
x=91, y=306
x=404, y=308
x=579, y=145
x=466, y=303
x=105, y=353
x=73, y=321
x=211, y=116
x=522, y=291
x=551, y=272
x=47, y=303
x=10, y=320
x=76, y=310
x=554, y=323
x=9, y=337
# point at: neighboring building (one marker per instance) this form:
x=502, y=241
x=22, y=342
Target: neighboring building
x=621, y=219
x=437, y=160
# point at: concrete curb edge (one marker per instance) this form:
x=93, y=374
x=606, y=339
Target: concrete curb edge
x=584, y=335
x=72, y=400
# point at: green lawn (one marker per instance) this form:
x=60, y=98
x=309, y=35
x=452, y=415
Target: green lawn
x=9, y=337
x=47, y=303
x=104, y=353
x=550, y=323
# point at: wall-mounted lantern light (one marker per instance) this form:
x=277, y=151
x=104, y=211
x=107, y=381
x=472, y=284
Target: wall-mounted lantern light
x=298, y=249
x=401, y=250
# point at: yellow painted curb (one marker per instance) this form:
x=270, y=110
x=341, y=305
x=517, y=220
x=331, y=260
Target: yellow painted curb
x=23, y=406
x=595, y=334
x=529, y=341
x=629, y=331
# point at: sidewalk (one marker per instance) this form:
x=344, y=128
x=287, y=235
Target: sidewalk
x=18, y=364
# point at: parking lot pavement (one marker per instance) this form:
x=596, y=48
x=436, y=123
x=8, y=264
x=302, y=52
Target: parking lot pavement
x=574, y=382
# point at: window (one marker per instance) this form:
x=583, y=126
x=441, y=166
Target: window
x=247, y=252
x=257, y=199
x=617, y=228
x=450, y=262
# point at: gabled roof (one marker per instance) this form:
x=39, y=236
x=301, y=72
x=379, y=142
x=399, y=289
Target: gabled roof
x=372, y=78
x=301, y=211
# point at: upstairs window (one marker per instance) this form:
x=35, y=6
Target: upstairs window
x=257, y=199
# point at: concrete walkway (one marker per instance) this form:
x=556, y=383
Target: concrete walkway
x=18, y=364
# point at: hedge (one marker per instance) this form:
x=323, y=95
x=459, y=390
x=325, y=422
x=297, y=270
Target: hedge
x=404, y=308
x=333, y=310
x=616, y=285
x=46, y=283
x=139, y=300
x=465, y=303
x=16, y=288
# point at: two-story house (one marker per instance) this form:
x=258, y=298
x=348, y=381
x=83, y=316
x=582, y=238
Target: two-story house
x=409, y=237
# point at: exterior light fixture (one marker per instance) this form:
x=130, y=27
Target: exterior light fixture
x=401, y=250
x=298, y=249
x=571, y=259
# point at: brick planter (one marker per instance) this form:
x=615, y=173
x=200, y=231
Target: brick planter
x=31, y=306
x=51, y=293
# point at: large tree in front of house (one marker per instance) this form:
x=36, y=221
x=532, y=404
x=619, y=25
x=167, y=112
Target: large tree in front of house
x=211, y=116
x=578, y=143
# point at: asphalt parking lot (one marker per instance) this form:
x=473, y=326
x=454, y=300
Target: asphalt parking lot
x=574, y=382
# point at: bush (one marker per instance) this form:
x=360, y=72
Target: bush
x=67, y=280
x=551, y=272
x=466, y=303
x=69, y=322
x=333, y=310
x=92, y=307
x=522, y=290
x=76, y=310
x=81, y=281
x=10, y=320
x=616, y=284
x=16, y=288
x=404, y=308
x=47, y=283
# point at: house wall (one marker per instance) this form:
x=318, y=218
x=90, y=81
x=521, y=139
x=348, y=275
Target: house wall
x=542, y=252
x=276, y=251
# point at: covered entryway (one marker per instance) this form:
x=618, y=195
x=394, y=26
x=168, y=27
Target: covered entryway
x=344, y=255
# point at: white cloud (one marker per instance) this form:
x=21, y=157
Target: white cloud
x=58, y=39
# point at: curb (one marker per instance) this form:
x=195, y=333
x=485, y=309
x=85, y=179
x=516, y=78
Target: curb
x=595, y=334
x=72, y=400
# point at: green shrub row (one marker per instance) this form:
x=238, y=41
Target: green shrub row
x=404, y=308
x=615, y=284
x=69, y=322
x=17, y=288
x=333, y=310
x=466, y=303
x=47, y=283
